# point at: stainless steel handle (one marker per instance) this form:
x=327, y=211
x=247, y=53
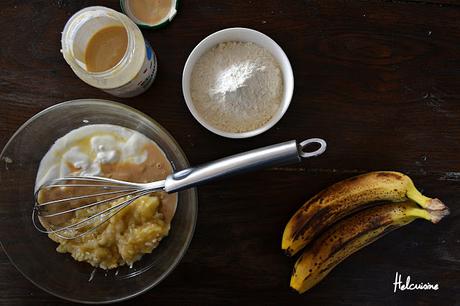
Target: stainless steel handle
x=278, y=154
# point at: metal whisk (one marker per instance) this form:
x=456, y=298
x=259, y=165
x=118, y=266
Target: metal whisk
x=101, y=198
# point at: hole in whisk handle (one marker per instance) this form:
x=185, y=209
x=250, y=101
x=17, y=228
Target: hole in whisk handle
x=312, y=142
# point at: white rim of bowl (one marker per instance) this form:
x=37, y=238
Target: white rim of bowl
x=269, y=124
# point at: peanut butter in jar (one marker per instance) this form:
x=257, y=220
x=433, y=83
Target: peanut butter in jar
x=150, y=13
x=107, y=50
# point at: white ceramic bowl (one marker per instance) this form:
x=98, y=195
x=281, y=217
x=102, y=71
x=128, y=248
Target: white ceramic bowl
x=245, y=35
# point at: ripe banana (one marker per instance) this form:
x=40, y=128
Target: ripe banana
x=346, y=197
x=352, y=234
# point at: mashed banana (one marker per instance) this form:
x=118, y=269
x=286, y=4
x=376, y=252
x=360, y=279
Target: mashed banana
x=135, y=230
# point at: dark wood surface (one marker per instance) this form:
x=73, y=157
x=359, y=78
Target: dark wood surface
x=380, y=81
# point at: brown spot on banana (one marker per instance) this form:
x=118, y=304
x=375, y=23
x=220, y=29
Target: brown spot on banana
x=345, y=198
x=388, y=174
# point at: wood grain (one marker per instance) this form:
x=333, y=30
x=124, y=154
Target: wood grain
x=380, y=81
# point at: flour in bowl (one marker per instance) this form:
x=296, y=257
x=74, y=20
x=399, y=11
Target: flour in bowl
x=237, y=86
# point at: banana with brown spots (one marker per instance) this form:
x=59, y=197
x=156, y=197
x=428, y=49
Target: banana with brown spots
x=346, y=197
x=352, y=234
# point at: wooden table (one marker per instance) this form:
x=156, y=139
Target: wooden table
x=380, y=81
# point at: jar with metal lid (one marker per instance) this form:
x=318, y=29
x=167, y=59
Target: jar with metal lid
x=131, y=75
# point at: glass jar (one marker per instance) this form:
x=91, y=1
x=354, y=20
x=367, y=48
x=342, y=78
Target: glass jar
x=132, y=75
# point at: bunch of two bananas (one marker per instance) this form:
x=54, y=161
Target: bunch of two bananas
x=321, y=223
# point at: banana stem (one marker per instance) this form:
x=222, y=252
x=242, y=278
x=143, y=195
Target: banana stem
x=431, y=215
x=437, y=215
x=425, y=202
x=416, y=212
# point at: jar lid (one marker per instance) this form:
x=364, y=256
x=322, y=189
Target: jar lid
x=153, y=15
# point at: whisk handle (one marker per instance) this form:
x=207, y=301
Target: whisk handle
x=274, y=155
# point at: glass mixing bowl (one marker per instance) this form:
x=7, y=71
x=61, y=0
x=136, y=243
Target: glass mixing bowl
x=34, y=254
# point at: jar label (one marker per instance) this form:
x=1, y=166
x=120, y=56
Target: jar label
x=143, y=79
